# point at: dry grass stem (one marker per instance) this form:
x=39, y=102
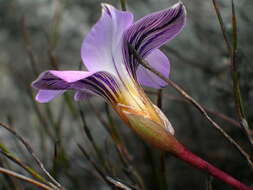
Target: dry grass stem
x=24, y=178
x=30, y=150
x=232, y=50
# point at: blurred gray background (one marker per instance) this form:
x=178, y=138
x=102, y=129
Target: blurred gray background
x=35, y=35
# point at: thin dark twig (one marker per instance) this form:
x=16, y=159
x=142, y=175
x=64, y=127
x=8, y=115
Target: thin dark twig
x=162, y=169
x=30, y=150
x=159, y=98
x=113, y=133
x=121, y=148
x=7, y=179
x=120, y=184
x=131, y=171
x=224, y=117
x=209, y=183
x=91, y=139
x=39, y=114
x=194, y=103
x=208, y=110
x=28, y=46
x=222, y=26
x=22, y=177
x=100, y=172
x=232, y=50
x=6, y=153
x=123, y=5
x=192, y=63
x=94, y=164
x=239, y=104
x=56, y=21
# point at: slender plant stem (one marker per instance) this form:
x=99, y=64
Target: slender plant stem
x=22, y=177
x=91, y=139
x=95, y=166
x=56, y=21
x=232, y=50
x=208, y=110
x=195, y=104
x=5, y=152
x=126, y=160
x=123, y=5
x=121, y=148
x=239, y=104
x=120, y=184
x=28, y=46
x=162, y=169
x=30, y=150
x=209, y=183
x=159, y=98
x=222, y=26
x=114, y=134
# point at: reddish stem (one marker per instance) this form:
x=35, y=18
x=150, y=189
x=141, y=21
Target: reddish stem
x=198, y=162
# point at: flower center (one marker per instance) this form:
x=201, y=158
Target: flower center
x=133, y=99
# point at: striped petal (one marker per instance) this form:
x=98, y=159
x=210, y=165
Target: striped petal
x=152, y=31
x=59, y=80
x=158, y=61
x=102, y=47
x=84, y=83
x=44, y=96
x=83, y=95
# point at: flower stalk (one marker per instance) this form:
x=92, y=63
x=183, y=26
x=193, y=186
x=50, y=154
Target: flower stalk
x=155, y=135
x=197, y=162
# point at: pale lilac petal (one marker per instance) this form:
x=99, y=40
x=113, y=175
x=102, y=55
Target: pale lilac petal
x=159, y=62
x=152, y=31
x=59, y=80
x=103, y=44
x=99, y=83
x=44, y=96
x=83, y=95
x=71, y=76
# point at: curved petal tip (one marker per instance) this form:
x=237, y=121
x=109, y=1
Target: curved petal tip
x=181, y=5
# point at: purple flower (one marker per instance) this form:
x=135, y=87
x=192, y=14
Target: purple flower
x=113, y=73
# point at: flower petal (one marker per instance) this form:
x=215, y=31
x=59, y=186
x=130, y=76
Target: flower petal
x=99, y=83
x=44, y=96
x=104, y=41
x=158, y=61
x=83, y=95
x=59, y=80
x=152, y=31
